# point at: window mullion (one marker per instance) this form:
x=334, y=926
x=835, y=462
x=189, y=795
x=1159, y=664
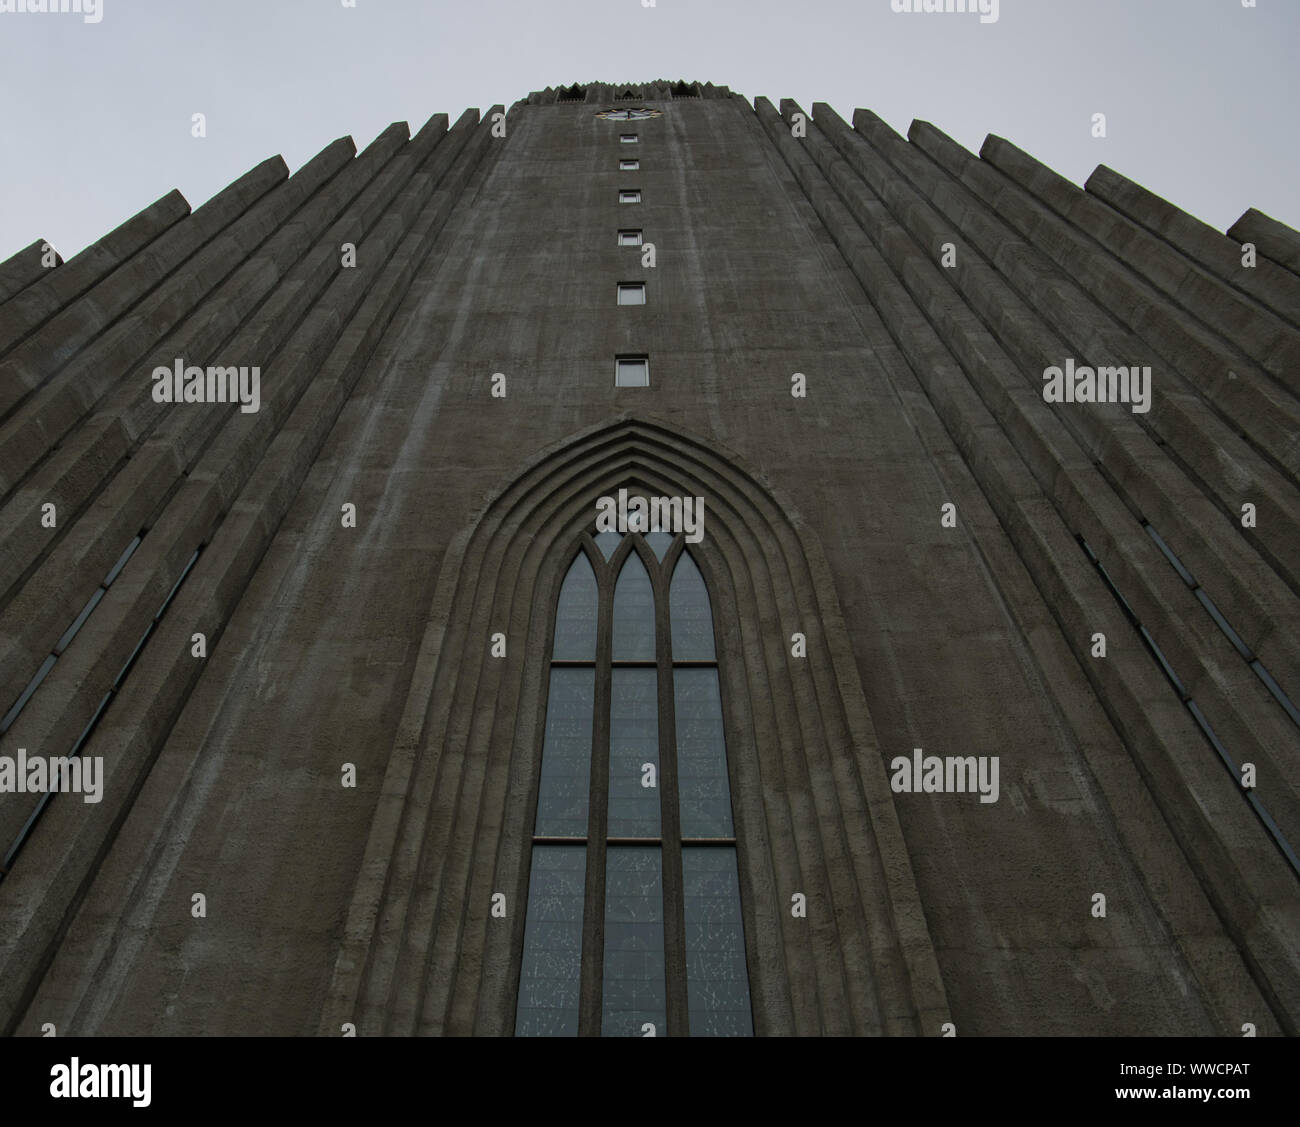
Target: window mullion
x=670, y=817
x=593, y=919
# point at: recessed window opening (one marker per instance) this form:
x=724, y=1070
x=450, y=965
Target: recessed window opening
x=1211, y=608
x=631, y=293
x=632, y=371
x=1201, y=720
x=634, y=826
x=11, y=854
x=71, y=632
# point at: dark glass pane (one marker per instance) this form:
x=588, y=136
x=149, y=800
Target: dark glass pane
x=607, y=542
x=660, y=542
x=634, y=613
x=703, y=788
x=633, y=991
x=550, y=977
x=565, y=784
x=575, y=618
x=633, y=742
x=692, y=619
x=717, y=982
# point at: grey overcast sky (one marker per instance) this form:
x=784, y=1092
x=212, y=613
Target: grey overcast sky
x=1201, y=95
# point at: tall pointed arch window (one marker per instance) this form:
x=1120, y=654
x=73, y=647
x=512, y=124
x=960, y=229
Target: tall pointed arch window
x=633, y=922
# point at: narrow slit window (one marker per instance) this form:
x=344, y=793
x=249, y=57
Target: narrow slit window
x=629, y=165
x=629, y=195
x=628, y=139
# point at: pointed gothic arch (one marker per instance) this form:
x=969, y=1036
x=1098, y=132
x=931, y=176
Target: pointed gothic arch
x=422, y=953
x=634, y=916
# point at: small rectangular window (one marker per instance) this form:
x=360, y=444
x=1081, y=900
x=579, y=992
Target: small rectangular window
x=628, y=138
x=629, y=165
x=632, y=371
x=631, y=293
x=630, y=238
x=629, y=195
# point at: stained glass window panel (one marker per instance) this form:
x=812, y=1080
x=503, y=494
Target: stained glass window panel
x=633, y=990
x=660, y=542
x=717, y=985
x=634, y=613
x=607, y=541
x=690, y=614
x=633, y=742
x=703, y=788
x=575, y=618
x=565, y=785
x=551, y=972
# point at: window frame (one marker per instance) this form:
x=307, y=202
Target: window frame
x=597, y=842
x=630, y=358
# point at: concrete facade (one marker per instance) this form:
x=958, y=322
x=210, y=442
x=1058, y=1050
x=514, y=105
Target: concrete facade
x=922, y=291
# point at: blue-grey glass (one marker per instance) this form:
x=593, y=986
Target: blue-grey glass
x=551, y=974
x=703, y=790
x=575, y=617
x=634, y=613
x=607, y=542
x=633, y=980
x=633, y=742
x=690, y=614
x=565, y=784
x=660, y=542
x=717, y=982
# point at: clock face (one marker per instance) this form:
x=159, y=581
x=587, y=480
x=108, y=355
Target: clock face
x=629, y=115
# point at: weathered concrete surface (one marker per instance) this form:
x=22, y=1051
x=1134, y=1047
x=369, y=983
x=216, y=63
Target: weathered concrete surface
x=22, y=269
x=1276, y=240
x=329, y=645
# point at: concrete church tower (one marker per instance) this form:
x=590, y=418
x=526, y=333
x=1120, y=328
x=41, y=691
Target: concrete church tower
x=967, y=702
